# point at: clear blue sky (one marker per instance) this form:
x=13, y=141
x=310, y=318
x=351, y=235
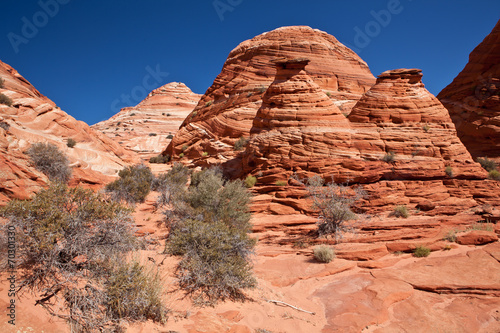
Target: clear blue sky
x=86, y=54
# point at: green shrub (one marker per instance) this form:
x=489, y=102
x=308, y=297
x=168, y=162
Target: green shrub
x=50, y=160
x=170, y=136
x=494, y=174
x=160, y=159
x=171, y=185
x=421, y=251
x=205, y=154
x=281, y=183
x=324, y=253
x=184, y=147
x=334, y=203
x=329, y=94
x=181, y=155
x=250, y=181
x=71, y=143
x=451, y=236
x=401, y=211
x=487, y=164
x=207, y=104
x=449, y=171
x=2, y=83
x=133, y=185
x=4, y=99
x=240, y=144
x=389, y=157
x=211, y=233
x=67, y=237
x=135, y=291
x=426, y=128
x=215, y=264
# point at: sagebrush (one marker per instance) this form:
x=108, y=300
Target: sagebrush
x=133, y=185
x=50, y=160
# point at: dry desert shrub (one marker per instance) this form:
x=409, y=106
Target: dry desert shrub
x=50, y=160
x=133, y=185
x=323, y=253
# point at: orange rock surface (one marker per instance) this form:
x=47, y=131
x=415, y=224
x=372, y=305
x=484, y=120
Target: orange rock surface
x=473, y=99
x=226, y=111
x=35, y=118
x=145, y=128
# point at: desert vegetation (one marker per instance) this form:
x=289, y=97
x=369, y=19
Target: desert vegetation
x=133, y=185
x=71, y=245
x=323, y=253
x=160, y=159
x=240, y=144
x=48, y=159
x=71, y=142
x=209, y=222
x=4, y=99
x=334, y=203
x=400, y=211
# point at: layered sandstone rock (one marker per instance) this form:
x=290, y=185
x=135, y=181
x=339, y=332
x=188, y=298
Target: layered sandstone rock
x=226, y=111
x=396, y=131
x=148, y=127
x=35, y=118
x=473, y=99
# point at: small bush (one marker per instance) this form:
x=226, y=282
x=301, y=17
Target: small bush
x=426, y=128
x=215, y=264
x=389, y=157
x=324, y=253
x=65, y=238
x=262, y=89
x=181, y=155
x=132, y=114
x=4, y=99
x=451, y=236
x=250, y=181
x=170, y=136
x=401, y=211
x=133, y=185
x=172, y=184
x=71, y=143
x=329, y=94
x=494, y=174
x=2, y=83
x=449, y=171
x=481, y=226
x=184, y=147
x=205, y=154
x=207, y=104
x=421, y=251
x=4, y=125
x=334, y=203
x=134, y=291
x=281, y=183
x=50, y=160
x=160, y=159
x=152, y=134
x=487, y=164
x=240, y=144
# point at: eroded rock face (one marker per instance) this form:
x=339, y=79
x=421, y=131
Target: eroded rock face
x=473, y=99
x=228, y=108
x=396, y=131
x=35, y=118
x=148, y=127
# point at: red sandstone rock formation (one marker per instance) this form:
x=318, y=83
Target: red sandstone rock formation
x=299, y=130
x=473, y=99
x=226, y=111
x=35, y=118
x=146, y=127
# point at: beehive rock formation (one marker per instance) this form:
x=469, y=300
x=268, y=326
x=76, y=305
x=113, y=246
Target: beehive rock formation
x=146, y=128
x=227, y=109
x=473, y=99
x=298, y=130
x=35, y=118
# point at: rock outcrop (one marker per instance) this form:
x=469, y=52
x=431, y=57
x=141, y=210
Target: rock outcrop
x=32, y=118
x=473, y=99
x=227, y=109
x=148, y=127
x=396, y=131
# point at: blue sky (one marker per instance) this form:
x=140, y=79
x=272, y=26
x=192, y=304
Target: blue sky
x=86, y=55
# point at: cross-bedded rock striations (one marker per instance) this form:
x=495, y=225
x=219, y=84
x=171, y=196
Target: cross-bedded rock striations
x=147, y=127
x=396, y=131
x=473, y=99
x=33, y=118
x=227, y=109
